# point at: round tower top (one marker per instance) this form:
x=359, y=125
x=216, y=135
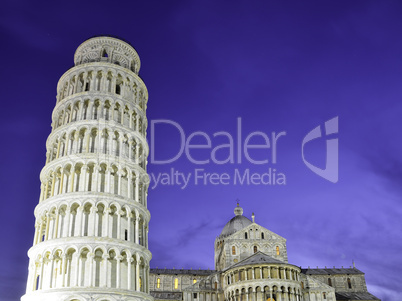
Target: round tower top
x=238, y=210
x=110, y=50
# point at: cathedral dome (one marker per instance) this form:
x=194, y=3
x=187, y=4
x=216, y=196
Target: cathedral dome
x=237, y=223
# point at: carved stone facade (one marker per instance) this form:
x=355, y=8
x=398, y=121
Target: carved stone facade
x=251, y=264
x=91, y=229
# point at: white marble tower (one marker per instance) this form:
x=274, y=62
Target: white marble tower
x=91, y=229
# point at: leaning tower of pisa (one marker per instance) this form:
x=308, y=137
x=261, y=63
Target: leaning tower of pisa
x=91, y=229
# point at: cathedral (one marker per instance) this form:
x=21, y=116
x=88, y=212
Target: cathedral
x=251, y=264
x=91, y=222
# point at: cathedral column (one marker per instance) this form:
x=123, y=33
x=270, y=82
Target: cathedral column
x=90, y=109
x=61, y=181
x=35, y=241
x=90, y=258
x=42, y=262
x=83, y=185
x=58, y=148
x=108, y=179
x=56, y=225
x=137, y=272
x=107, y=219
x=119, y=174
x=279, y=295
x=129, y=216
x=47, y=226
x=42, y=192
x=53, y=183
x=95, y=181
x=78, y=231
x=129, y=267
x=130, y=149
x=50, y=272
x=87, y=138
x=92, y=218
x=129, y=183
x=63, y=269
x=79, y=269
x=119, y=214
x=105, y=258
x=137, y=216
x=67, y=226
x=80, y=111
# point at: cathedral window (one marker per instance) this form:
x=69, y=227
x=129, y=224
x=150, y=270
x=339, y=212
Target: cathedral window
x=262, y=235
x=158, y=283
x=329, y=281
x=245, y=235
x=118, y=90
x=216, y=285
x=87, y=87
x=324, y=295
x=255, y=249
x=233, y=250
x=349, y=283
x=277, y=250
x=195, y=295
x=176, y=283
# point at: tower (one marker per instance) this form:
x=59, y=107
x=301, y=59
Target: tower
x=91, y=229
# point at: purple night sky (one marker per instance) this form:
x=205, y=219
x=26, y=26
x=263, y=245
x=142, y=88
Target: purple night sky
x=279, y=66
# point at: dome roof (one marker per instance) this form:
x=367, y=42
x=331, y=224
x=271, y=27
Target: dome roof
x=237, y=223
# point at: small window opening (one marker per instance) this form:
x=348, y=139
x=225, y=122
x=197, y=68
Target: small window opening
x=87, y=87
x=324, y=295
x=158, y=283
x=125, y=234
x=245, y=235
x=195, y=295
x=262, y=235
x=118, y=89
x=194, y=280
x=176, y=283
x=216, y=285
x=349, y=283
x=37, y=283
x=233, y=250
x=255, y=249
x=277, y=251
x=104, y=53
x=329, y=281
x=302, y=285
